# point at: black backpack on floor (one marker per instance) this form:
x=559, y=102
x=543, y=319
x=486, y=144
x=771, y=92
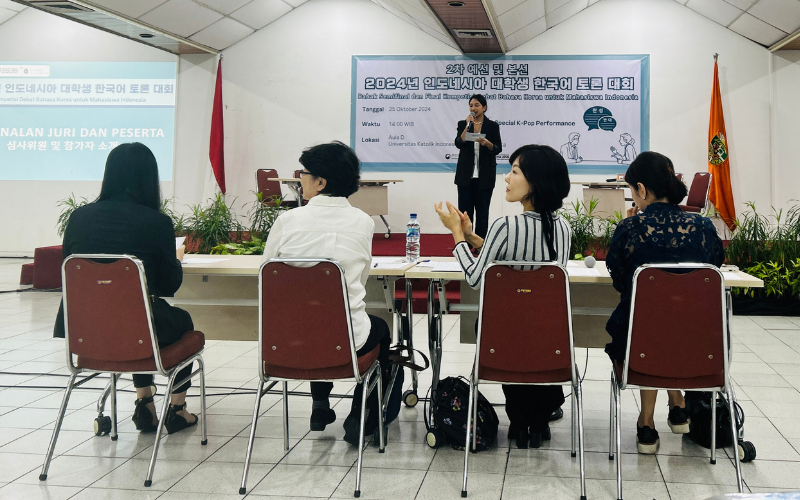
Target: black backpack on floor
x=449, y=409
x=698, y=408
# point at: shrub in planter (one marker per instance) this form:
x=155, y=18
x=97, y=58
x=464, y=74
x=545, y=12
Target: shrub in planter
x=213, y=225
x=591, y=235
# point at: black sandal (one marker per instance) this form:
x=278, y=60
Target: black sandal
x=142, y=417
x=177, y=422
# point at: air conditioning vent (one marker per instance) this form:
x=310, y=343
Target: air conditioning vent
x=473, y=33
x=60, y=7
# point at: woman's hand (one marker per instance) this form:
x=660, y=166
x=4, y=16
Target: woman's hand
x=470, y=119
x=483, y=141
x=466, y=224
x=632, y=211
x=180, y=251
x=451, y=218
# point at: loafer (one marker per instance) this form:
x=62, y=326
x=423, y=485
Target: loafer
x=321, y=417
x=647, y=440
x=678, y=420
x=557, y=414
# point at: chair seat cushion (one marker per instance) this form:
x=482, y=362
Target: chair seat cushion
x=328, y=373
x=190, y=344
x=546, y=377
x=642, y=379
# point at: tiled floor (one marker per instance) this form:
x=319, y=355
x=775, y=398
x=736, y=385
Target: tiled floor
x=321, y=465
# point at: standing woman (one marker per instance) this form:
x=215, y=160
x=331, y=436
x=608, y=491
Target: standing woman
x=477, y=164
x=539, y=179
x=655, y=231
x=126, y=219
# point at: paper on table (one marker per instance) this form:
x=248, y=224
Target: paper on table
x=447, y=267
x=179, y=241
x=575, y=263
x=389, y=265
x=202, y=260
x=585, y=271
x=426, y=263
x=383, y=260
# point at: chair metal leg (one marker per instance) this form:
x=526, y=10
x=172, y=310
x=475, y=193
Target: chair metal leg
x=470, y=429
x=714, y=427
x=57, y=428
x=735, y=436
x=579, y=403
x=381, y=430
x=364, y=394
x=611, y=416
x=113, y=382
x=285, y=416
x=161, y=424
x=475, y=419
x=203, y=423
x=573, y=428
x=618, y=444
x=248, y=456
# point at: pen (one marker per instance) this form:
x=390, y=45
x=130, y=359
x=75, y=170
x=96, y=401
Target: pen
x=376, y=265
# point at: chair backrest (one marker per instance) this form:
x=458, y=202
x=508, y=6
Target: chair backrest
x=677, y=328
x=266, y=186
x=525, y=323
x=304, y=319
x=698, y=192
x=107, y=313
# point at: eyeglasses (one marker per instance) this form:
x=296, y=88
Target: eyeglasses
x=304, y=172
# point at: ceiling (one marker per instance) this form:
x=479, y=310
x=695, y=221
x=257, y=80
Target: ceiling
x=218, y=24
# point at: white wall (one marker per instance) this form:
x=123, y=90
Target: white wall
x=287, y=87
x=786, y=128
x=28, y=210
x=278, y=105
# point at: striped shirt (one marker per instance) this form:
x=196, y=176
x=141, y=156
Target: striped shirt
x=515, y=238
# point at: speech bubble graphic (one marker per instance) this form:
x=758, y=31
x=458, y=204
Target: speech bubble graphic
x=592, y=116
x=607, y=123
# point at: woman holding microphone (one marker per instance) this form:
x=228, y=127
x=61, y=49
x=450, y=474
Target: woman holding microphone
x=477, y=163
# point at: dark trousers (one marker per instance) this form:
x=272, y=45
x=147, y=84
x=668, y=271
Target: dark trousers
x=170, y=324
x=474, y=201
x=531, y=405
x=379, y=335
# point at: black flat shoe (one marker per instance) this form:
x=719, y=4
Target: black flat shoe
x=537, y=438
x=177, y=422
x=321, y=417
x=142, y=417
x=522, y=439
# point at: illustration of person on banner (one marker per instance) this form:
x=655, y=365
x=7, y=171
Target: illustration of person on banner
x=628, y=153
x=478, y=139
x=570, y=150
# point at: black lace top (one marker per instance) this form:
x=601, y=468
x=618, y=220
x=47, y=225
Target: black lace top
x=663, y=233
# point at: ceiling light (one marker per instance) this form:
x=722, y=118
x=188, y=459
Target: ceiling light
x=455, y=4
x=146, y=35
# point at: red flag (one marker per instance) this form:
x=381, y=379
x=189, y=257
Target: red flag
x=216, y=146
x=719, y=192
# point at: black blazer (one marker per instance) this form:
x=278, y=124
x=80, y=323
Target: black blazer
x=125, y=227
x=487, y=160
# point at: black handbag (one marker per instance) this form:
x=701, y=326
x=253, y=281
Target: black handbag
x=698, y=406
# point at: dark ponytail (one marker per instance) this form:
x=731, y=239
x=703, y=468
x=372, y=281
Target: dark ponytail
x=546, y=171
x=657, y=175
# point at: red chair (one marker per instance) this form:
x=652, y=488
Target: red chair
x=109, y=329
x=525, y=337
x=698, y=193
x=305, y=333
x=687, y=350
x=270, y=190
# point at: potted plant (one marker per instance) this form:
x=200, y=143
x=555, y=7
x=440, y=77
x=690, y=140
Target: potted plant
x=212, y=226
x=591, y=235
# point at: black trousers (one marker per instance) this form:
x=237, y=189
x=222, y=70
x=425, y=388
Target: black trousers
x=378, y=335
x=531, y=405
x=170, y=324
x=474, y=201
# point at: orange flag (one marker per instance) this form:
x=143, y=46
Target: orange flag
x=719, y=193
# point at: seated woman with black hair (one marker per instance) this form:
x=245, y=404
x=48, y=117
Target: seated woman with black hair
x=329, y=227
x=655, y=231
x=539, y=179
x=126, y=219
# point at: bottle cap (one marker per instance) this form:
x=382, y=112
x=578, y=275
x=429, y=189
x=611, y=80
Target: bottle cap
x=413, y=216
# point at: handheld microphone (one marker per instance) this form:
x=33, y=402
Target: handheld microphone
x=470, y=125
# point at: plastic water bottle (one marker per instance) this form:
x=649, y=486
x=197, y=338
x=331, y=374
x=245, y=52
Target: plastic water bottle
x=412, y=239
